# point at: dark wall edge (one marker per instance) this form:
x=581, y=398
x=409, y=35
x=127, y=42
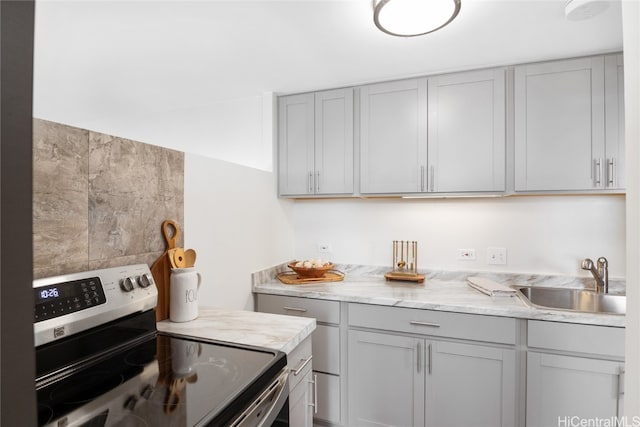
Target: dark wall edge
x=17, y=358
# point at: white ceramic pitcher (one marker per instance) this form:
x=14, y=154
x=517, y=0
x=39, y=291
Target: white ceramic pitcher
x=183, y=296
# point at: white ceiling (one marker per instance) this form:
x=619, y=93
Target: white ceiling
x=100, y=60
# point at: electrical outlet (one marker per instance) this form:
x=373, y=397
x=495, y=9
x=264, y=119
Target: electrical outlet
x=497, y=256
x=467, y=254
x=324, y=248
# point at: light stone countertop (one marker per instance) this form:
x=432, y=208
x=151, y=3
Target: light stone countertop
x=272, y=331
x=443, y=291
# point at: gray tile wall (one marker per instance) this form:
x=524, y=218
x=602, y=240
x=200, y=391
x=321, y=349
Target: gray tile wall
x=99, y=200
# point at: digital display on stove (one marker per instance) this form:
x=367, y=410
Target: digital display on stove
x=52, y=292
x=67, y=297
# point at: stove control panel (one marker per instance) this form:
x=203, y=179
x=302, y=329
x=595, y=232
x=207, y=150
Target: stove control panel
x=68, y=297
x=65, y=305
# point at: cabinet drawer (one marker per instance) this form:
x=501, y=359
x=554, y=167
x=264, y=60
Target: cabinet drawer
x=321, y=310
x=328, y=397
x=299, y=362
x=434, y=323
x=591, y=339
x=326, y=349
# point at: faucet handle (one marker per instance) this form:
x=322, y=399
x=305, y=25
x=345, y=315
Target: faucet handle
x=586, y=264
x=602, y=262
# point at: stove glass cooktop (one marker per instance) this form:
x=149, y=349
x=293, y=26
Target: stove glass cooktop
x=162, y=381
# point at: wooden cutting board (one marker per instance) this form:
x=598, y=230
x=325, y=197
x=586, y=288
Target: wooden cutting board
x=161, y=269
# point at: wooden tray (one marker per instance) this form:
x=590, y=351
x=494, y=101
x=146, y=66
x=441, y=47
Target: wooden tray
x=404, y=277
x=291, y=278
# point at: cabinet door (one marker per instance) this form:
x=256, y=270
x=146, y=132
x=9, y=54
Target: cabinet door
x=614, y=99
x=467, y=132
x=295, y=144
x=470, y=385
x=561, y=387
x=334, y=142
x=301, y=402
x=327, y=398
x=393, y=137
x=385, y=380
x=559, y=125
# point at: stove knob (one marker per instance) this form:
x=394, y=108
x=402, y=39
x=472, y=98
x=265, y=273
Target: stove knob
x=127, y=284
x=147, y=391
x=130, y=403
x=145, y=280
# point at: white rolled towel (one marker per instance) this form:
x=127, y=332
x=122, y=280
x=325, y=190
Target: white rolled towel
x=490, y=287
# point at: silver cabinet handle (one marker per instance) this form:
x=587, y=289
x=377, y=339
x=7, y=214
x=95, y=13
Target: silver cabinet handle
x=301, y=310
x=598, y=172
x=431, y=177
x=310, y=182
x=318, y=182
x=620, y=390
x=417, y=323
x=296, y=372
x=429, y=355
x=315, y=394
x=418, y=358
x=610, y=172
x=421, y=178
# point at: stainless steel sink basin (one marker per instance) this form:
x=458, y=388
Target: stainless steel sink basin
x=573, y=300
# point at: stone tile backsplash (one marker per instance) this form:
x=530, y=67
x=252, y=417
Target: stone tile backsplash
x=99, y=200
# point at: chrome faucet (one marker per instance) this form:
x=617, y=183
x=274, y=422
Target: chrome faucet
x=601, y=274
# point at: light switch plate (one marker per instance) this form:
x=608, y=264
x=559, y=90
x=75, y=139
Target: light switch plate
x=496, y=256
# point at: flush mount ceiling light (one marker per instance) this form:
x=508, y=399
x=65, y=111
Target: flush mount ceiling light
x=410, y=18
x=579, y=10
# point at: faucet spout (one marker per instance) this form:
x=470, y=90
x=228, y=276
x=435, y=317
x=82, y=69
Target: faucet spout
x=600, y=274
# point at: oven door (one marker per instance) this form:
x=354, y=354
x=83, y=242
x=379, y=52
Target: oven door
x=270, y=408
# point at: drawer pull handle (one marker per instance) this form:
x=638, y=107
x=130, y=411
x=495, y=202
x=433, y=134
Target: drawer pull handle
x=417, y=323
x=301, y=310
x=296, y=372
x=315, y=394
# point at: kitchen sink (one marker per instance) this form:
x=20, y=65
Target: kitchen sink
x=573, y=300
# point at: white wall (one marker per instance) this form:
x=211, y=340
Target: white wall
x=236, y=130
x=236, y=225
x=631, y=25
x=542, y=234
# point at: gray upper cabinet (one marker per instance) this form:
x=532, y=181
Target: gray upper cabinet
x=445, y=134
x=315, y=143
x=614, y=121
x=393, y=137
x=467, y=132
x=561, y=137
x=549, y=127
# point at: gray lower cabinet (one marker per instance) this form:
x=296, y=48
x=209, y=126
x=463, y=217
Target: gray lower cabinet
x=470, y=384
x=386, y=380
x=378, y=365
x=302, y=397
x=573, y=371
x=301, y=402
x=395, y=379
x=326, y=348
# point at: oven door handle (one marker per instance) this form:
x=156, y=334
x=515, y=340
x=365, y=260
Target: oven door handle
x=268, y=403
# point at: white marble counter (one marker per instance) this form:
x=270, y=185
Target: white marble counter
x=272, y=331
x=444, y=291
